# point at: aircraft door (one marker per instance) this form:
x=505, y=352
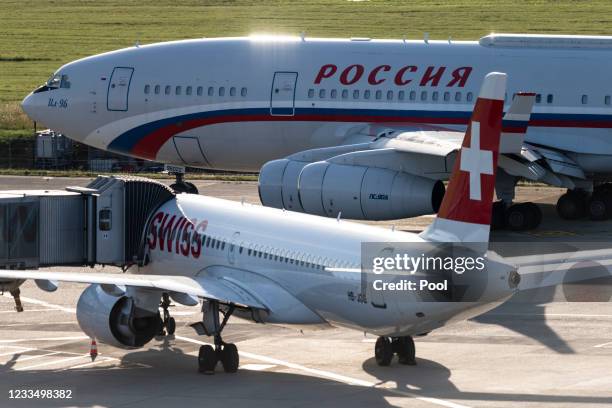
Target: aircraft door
x=282, y=97
x=233, y=248
x=189, y=151
x=119, y=89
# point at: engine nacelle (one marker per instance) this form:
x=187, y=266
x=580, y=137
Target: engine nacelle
x=278, y=184
x=116, y=320
x=366, y=193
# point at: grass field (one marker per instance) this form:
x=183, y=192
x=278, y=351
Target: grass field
x=36, y=37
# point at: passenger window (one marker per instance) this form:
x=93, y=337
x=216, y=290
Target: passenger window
x=607, y=100
x=469, y=97
x=188, y=90
x=412, y=95
x=356, y=94
x=389, y=95
x=200, y=91
x=378, y=94
x=223, y=245
x=211, y=91
x=321, y=93
x=344, y=94
x=311, y=93
x=446, y=96
x=366, y=94
x=424, y=95
x=232, y=91
x=147, y=89
x=177, y=90
x=549, y=98
x=157, y=89
x=585, y=99
x=333, y=94
x=222, y=91
x=434, y=96
x=400, y=95
x=538, y=98
x=243, y=92
x=457, y=96
x=208, y=241
x=167, y=90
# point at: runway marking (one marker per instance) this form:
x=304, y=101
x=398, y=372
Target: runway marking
x=603, y=345
x=256, y=367
x=550, y=314
x=22, y=350
x=48, y=363
x=28, y=310
x=43, y=303
x=44, y=339
x=334, y=376
x=19, y=360
x=34, y=323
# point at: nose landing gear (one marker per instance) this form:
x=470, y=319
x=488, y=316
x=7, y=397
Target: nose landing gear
x=385, y=348
x=168, y=323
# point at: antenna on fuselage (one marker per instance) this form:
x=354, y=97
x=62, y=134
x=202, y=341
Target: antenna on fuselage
x=426, y=38
x=303, y=36
x=137, y=44
x=339, y=215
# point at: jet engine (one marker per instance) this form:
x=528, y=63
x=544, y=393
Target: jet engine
x=116, y=320
x=358, y=192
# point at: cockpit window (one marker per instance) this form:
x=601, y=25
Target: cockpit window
x=58, y=81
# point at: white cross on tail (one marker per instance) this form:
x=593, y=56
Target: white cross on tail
x=476, y=162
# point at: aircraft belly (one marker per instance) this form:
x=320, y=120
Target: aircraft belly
x=579, y=140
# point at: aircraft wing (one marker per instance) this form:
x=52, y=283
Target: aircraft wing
x=206, y=286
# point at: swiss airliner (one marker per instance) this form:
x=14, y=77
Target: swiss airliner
x=346, y=125
x=283, y=267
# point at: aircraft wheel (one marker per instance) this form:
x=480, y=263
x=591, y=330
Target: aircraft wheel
x=184, y=187
x=571, y=205
x=498, y=216
x=600, y=206
x=171, y=326
x=207, y=359
x=406, y=352
x=230, y=358
x=524, y=216
x=383, y=351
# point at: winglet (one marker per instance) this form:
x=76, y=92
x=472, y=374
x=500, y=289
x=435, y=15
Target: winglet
x=465, y=212
x=515, y=122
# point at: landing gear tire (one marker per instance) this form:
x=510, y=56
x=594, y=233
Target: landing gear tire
x=571, y=205
x=230, y=358
x=170, y=326
x=184, y=187
x=383, y=351
x=600, y=205
x=498, y=216
x=405, y=349
x=207, y=359
x=524, y=216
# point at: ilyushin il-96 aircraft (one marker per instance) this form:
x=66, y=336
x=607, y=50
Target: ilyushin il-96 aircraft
x=289, y=268
x=366, y=128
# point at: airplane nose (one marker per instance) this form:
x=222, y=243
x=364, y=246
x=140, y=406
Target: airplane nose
x=28, y=105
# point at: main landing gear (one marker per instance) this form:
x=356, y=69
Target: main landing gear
x=516, y=217
x=386, y=347
x=182, y=186
x=576, y=204
x=226, y=353
x=168, y=326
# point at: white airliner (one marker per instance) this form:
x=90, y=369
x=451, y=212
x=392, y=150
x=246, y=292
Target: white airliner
x=283, y=267
x=374, y=111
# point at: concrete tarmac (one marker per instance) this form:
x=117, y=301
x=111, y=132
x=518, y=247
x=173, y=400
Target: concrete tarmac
x=556, y=354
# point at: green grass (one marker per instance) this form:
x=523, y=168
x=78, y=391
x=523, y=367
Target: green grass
x=36, y=37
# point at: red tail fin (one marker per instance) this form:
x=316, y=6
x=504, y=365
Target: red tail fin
x=465, y=213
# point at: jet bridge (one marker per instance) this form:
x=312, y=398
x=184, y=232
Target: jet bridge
x=103, y=223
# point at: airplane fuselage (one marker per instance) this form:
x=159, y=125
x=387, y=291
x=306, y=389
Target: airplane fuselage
x=236, y=103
